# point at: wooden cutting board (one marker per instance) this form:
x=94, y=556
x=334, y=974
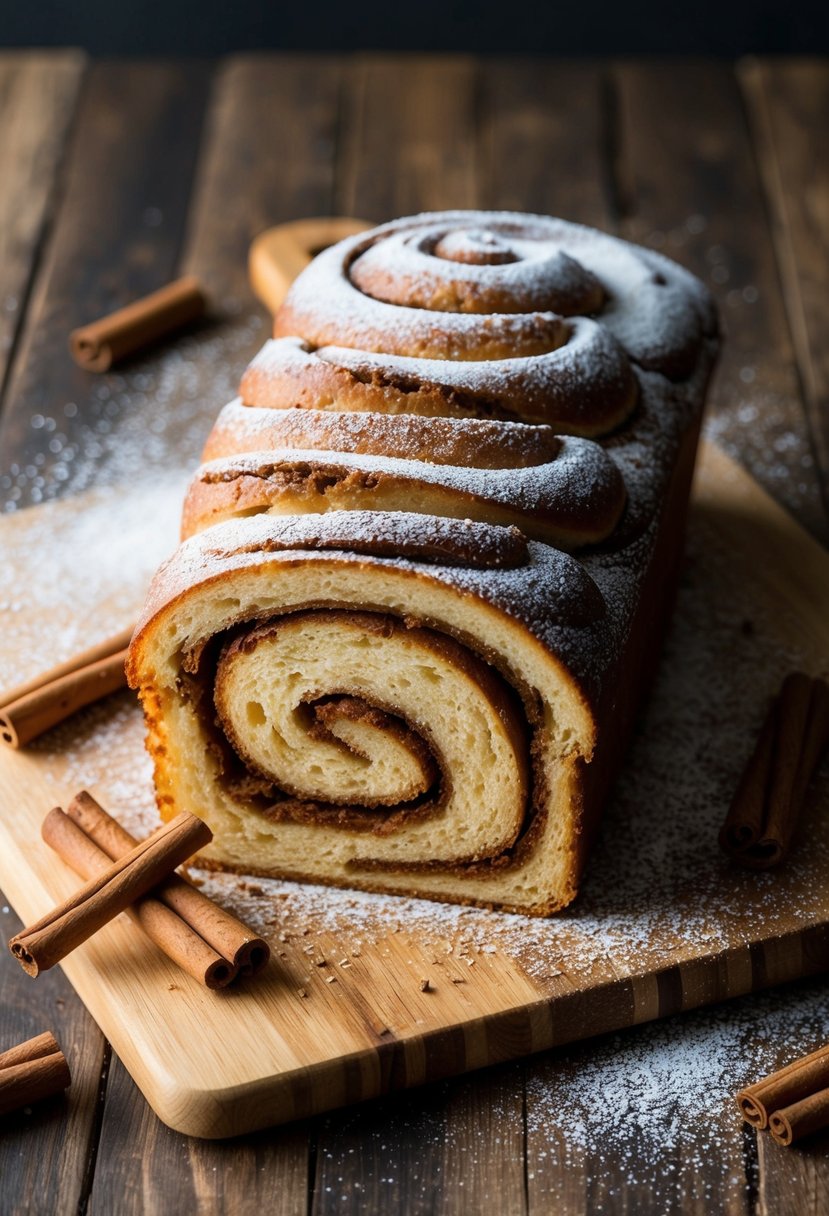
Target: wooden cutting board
x=368, y=993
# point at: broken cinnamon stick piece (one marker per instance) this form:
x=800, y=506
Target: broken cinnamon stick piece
x=42, y=945
x=40, y=703
x=227, y=935
x=170, y=933
x=761, y=821
x=31, y=1071
x=97, y=346
x=23, y=720
x=781, y=1089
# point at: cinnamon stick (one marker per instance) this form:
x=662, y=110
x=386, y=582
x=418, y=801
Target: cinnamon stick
x=170, y=933
x=761, y=821
x=30, y=1071
x=782, y=1089
x=227, y=935
x=33, y=1049
x=817, y=736
x=744, y=823
x=794, y=1122
x=23, y=720
x=782, y=811
x=95, y=347
x=29, y=709
x=45, y=943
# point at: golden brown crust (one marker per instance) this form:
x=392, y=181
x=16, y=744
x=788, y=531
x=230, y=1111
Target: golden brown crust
x=399, y=534
x=574, y=500
x=468, y=443
x=289, y=374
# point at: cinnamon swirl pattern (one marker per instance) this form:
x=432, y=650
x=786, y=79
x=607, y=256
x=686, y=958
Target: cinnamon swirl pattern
x=402, y=642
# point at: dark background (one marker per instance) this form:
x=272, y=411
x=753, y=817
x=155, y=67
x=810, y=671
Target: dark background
x=578, y=27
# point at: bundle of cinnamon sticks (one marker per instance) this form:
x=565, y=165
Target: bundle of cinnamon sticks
x=770, y=797
x=29, y=709
x=127, y=875
x=791, y=1103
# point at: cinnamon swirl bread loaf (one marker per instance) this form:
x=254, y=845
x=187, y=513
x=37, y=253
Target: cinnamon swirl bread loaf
x=428, y=558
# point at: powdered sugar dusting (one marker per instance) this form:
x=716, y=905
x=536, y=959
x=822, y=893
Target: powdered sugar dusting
x=663, y=1097
x=151, y=415
x=572, y=488
x=87, y=564
x=658, y=311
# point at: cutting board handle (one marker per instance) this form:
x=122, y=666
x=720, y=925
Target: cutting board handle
x=278, y=254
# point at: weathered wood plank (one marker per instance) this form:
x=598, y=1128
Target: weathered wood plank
x=45, y=1150
x=269, y=156
x=116, y=237
x=383, y=1157
x=484, y=1150
x=794, y=1181
x=542, y=139
x=788, y=103
x=607, y=1131
x=38, y=91
x=408, y=137
x=448, y=1149
x=689, y=186
x=145, y=1168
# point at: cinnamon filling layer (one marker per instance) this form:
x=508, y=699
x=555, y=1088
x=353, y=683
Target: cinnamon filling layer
x=572, y=500
x=361, y=721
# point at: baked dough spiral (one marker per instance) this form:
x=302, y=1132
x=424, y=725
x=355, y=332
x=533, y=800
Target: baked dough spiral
x=339, y=709
x=353, y=717
x=481, y=314
x=425, y=558
x=565, y=490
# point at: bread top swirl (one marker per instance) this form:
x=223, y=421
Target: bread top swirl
x=486, y=314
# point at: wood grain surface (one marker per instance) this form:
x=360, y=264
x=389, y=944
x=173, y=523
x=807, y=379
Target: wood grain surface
x=275, y=142
x=37, y=95
x=788, y=104
x=115, y=237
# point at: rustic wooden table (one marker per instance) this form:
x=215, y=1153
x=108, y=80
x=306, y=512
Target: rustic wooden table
x=114, y=177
